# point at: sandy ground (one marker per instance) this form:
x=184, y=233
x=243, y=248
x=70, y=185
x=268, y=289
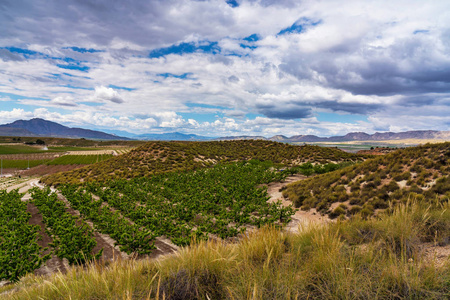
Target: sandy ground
x=24, y=187
x=300, y=218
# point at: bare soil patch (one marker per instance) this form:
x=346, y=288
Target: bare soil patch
x=31, y=156
x=436, y=254
x=300, y=217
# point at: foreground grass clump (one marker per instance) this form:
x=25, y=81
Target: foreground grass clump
x=382, y=258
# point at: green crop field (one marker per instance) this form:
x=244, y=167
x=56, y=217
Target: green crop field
x=79, y=159
x=70, y=148
x=19, y=149
x=22, y=163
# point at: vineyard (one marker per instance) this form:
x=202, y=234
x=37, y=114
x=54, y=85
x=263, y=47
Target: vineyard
x=160, y=157
x=79, y=159
x=222, y=201
x=23, y=163
x=217, y=202
x=72, y=237
x=17, y=149
x=190, y=192
x=19, y=251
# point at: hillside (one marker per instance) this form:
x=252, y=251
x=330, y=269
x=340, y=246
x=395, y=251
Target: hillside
x=373, y=184
x=41, y=127
x=160, y=157
x=11, y=131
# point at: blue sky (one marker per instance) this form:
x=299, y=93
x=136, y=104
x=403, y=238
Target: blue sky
x=235, y=67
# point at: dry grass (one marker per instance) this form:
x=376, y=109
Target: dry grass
x=355, y=259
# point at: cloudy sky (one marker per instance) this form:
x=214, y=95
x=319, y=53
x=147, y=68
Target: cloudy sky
x=236, y=67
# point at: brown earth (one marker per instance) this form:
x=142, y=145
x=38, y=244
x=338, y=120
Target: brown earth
x=31, y=156
x=55, y=263
x=300, y=218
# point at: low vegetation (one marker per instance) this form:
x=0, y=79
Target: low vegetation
x=388, y=257
x=19, y=149
x=23, y=164
x=19, y=251
x=377, y=182
x=160, y=157
x=222, y=201
x=79, y=159
x=392, y=225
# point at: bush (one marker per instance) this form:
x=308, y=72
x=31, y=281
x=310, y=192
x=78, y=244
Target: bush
x=355, y=209
x=340, y=210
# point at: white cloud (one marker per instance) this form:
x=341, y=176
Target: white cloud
x=109, y=94
x=358, y=57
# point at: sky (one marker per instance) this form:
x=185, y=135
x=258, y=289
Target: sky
x=227, y=68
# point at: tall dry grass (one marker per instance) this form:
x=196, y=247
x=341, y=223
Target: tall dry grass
x=379, y=258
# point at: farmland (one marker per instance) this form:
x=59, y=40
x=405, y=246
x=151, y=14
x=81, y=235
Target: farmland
x=18, y=158
x=221, y=201
x=19, y=149
x=171, y=195
x=79, y=159
x=20, y=252
x=22, y=163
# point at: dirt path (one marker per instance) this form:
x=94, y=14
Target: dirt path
x=300, y=217
x=24, y=187
x=54, y=263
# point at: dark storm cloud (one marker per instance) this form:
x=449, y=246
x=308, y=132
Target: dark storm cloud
x=79, y=23
x=410, y=66
x=353, y=108
x=285, y=112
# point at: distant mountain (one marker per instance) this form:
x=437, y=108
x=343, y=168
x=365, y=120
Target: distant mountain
x=362, y=136
x=10, y=131
x=278, y=138
x=241, y=137
x=174, y=136
x=41, y=127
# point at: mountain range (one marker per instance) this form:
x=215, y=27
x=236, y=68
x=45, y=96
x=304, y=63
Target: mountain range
x=40, y=128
